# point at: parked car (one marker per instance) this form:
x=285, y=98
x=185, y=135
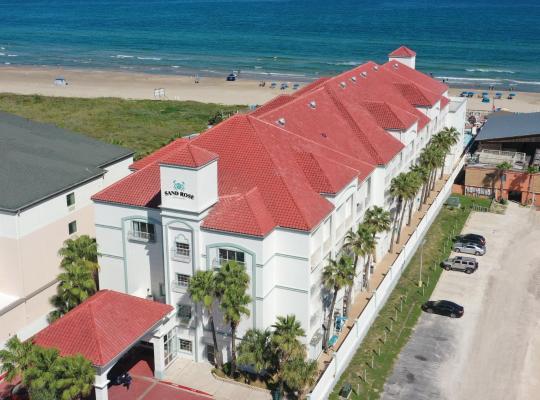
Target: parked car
x=472, y=238
x=443, y=307
x=469, y=248
x=459, y=263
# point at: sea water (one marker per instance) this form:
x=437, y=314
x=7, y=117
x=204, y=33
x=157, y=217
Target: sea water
x=473, y=42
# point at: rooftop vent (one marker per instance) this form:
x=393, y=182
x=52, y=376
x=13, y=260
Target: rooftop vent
x=324, y=135
x=312, y=104
x=396, y=65
x=375, y=68
x=363, y=74
x=343, y=85
x=281, y=121
x=353, y=78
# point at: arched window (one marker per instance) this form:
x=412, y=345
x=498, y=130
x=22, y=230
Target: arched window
x=182, y=248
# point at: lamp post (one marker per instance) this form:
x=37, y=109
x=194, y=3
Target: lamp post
x=421, y=261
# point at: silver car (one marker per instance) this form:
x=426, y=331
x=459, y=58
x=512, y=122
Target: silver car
x=469, y=248
x=459, y=263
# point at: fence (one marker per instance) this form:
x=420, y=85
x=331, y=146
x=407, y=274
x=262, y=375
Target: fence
x=352, y=342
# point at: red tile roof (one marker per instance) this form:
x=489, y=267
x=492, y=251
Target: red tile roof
x=444, y=101
x=103, y=326
x=402, y=51
x=275, y=162
x=189, y=156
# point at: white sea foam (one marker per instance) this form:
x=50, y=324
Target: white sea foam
x=7, y=63
x=13, y=55
x=460, y=79
x=149, y=58
x=524, y=82
x=175, y=66
x=501, y=71
x=2, y=54
x=347, y=63
x=121, y=56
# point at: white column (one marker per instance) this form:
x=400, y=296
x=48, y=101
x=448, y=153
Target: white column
x=101, y=386
x=159, y=357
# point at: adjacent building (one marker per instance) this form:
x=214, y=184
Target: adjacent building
x=275, y=190
x=47, y=178
x=506, y=138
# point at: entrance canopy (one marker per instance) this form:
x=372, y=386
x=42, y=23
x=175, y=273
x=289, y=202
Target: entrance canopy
x=104, y=326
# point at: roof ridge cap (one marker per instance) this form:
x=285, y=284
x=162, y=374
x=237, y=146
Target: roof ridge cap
x=254, y=190
x=94, y=324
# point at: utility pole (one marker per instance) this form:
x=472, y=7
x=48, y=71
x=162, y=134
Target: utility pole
x=421, y=261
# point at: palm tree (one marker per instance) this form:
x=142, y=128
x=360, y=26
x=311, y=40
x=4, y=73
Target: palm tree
x=369, y=245
x=40, y=375
x=232, y=282
x=336, y=275
x=15, y=358
x=355, y=243
x=378, y=220
x=422, y=172
x=75, y=377
x=299, y=374
x=286, y=345
x=202, y=289
x=399, y=189
x=501, y=171
x=256, y=351
x=445, y=139
x=415, y=183
x=76, y=285
x=83, y=250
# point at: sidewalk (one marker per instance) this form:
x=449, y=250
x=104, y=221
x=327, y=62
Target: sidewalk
x=199, y=376
x=381, y=269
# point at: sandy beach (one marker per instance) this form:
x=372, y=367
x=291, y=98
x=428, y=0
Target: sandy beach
x=129, y=85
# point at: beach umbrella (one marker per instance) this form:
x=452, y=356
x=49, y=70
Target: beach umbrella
x=485, y=93
x=512, y=94
x=498, y=94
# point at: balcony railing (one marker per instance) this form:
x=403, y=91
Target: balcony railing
x=179, y=286
x=326, y=246
x=141, y=236
x=316, y=257
x=180, y=256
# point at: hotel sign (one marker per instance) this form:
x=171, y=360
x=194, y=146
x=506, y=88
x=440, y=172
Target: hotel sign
x=179, y=191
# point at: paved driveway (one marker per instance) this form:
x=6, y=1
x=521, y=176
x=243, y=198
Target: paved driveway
x=493, y=352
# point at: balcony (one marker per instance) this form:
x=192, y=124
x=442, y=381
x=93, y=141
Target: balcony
x=140, y=236
x=316, y=257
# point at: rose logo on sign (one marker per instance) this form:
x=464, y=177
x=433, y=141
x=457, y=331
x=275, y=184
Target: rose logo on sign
x=178, y=191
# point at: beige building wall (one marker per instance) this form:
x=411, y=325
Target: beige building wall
x=29, y=267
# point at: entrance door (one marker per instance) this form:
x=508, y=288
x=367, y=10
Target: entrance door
x=210, y=354
x=169, y=346
x=514, y=195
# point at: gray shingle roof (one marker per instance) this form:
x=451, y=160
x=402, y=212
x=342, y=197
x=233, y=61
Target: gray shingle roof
x=510, y=125
x=39, y=160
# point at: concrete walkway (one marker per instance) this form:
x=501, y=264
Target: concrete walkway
x=493, y=351
x=199, y=376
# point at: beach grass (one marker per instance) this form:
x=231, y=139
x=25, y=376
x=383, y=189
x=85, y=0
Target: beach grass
x=140, y=125
x=373, y=362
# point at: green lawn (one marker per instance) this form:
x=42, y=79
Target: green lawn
x=402, y=310
x=141, y=125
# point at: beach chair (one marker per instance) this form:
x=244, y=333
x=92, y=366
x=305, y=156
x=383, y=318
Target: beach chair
x=485, y=99
x=296, y=86
x=273, y=85
x=463, y=94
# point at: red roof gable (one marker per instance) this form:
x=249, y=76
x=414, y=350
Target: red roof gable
x=189, y=156
x=244, y=213
x=389, y=116
x=402, y=51
x=103, y=326
x=159, y=154
x=274, y=103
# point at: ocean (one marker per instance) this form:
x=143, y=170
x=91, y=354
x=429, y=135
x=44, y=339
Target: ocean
x=468, y=43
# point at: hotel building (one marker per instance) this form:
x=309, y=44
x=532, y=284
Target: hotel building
x=276, y=190
x=47, y=178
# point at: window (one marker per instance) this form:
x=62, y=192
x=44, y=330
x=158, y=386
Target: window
x=181, y=280
x=184, y=313
x=72, y=227
x=186, y=345
x=142, y=230
x=210, y=353
x=230, y=255
x=70, y=199
x=182, y=249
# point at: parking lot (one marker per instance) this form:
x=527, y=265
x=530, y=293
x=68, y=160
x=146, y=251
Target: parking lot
x=493, y=351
